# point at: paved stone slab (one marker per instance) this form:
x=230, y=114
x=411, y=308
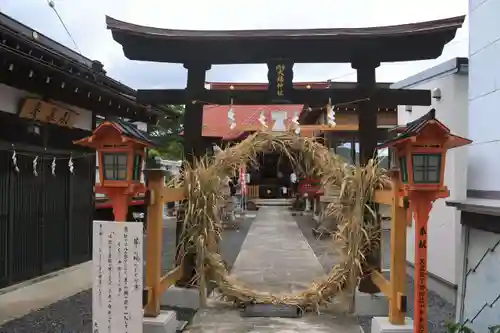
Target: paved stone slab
x=221, y=319
x=275, y=257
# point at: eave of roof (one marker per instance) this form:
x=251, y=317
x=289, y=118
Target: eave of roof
x=125, y=129
x=53, y=56
x=215, y=122
x=133, y=132
x=415, y=41
x=414, y=128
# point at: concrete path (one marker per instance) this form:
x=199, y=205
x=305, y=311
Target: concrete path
x=275, y=257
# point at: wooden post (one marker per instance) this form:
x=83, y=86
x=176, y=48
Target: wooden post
x=193, y=149
x=421, y=207
x=368, y=139
x=154, y=241
x=398, y=256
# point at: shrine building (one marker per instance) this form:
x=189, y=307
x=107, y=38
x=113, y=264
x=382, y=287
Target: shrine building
x=50, y=96
x=274, y=169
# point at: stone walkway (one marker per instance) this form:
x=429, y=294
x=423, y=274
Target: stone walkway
x=275, y=257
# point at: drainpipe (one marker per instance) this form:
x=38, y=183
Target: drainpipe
x=463, y=282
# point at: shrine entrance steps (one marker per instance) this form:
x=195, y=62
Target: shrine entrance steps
x=273, y=202
x=275, y=257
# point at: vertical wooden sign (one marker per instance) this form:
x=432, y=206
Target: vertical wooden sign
x=117, y=285
x=421, y=214
x=280, y=77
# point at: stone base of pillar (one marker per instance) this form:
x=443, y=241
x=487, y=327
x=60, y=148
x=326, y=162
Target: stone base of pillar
x=166, y=322
x=370, y=305
x=177, y=297
x=382, y=325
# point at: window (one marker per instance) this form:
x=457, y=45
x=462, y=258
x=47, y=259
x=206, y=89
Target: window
x=426, y=168
x=114, y=166
x=403, y=170
x=136, y=171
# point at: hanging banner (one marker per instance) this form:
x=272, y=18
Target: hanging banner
x=117, y=285
x=243, y=180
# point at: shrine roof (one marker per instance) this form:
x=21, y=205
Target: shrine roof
x=30, y=55
x=414, y=41
x=414, y=128
x=215, y=123
x=131, y=131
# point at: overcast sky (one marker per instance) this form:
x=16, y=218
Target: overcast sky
x=85, y=20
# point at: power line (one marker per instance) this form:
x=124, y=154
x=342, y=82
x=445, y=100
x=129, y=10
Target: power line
x=52, y=5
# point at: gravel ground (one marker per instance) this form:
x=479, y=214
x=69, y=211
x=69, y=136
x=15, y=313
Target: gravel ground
x=439, y=310
x=74, y=314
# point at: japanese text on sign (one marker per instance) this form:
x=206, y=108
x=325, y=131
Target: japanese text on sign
x=116, y=307
x=280, y=80
x=422, y=280
x=42, y=111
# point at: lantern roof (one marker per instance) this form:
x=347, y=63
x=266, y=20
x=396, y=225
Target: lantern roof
x=125, y=129
x=414, y=128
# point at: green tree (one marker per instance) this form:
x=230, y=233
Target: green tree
x=167, y=132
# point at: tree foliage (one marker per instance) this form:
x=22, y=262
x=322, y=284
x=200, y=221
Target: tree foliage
x=167, y=132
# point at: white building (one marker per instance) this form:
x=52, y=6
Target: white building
x=478, y=305
x=448, y=83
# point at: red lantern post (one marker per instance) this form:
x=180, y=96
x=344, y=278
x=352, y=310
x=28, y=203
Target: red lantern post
x=421, y=151
x=120, y=151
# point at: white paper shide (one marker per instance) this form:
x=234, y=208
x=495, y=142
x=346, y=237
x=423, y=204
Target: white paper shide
x=117, y=285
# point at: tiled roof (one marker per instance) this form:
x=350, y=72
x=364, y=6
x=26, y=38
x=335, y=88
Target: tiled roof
x=133, y=132
x=414, y=128
x=215, y=120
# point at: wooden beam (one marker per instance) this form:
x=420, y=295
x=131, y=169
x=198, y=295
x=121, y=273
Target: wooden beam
x=170, y=279
x=385, y=197
x=381, y=282
x=303, y=128
x=154, y=242
x=170, y=194
x=398, y=256
x=380, y=96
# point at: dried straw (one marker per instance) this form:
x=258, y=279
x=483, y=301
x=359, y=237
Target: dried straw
x=354, y=238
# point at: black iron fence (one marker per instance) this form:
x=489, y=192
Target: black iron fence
x=45, y=219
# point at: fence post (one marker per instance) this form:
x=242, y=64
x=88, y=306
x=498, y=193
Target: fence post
x=154, y=241
x=397, y=300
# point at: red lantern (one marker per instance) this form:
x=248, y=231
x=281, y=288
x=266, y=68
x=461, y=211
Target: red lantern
x=120, y=152
x=421, y=149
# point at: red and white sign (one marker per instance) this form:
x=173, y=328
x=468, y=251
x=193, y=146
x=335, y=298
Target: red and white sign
x=243, y=180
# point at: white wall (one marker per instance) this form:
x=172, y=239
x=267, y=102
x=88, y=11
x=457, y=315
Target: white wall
x=479, y=306
x=10, y=99
x=484, y=94
x=444, y=222
x=482, y=281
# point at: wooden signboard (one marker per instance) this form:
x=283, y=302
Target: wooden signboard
x=36, y=109
x=117, y=277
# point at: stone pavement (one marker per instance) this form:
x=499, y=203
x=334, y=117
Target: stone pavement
x=275, y=257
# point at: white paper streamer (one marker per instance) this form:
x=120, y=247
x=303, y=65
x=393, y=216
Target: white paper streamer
x=14, y=161
x=35, y=164
x=53, y=166
x=262, y=120
x=71, y=165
